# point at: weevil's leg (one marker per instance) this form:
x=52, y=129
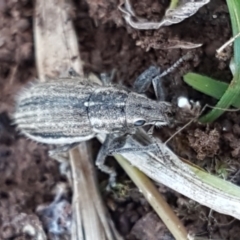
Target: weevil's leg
x=159, y=88
x=61, y=152
x=150, y=131
x=102, y=155
x=149, y=148
x=143, y=82
x=116, y=146
x=107, y=78
x=154, y=147
x=158, y=80
x=73, y=73
x=69, y=73
x=110, y=144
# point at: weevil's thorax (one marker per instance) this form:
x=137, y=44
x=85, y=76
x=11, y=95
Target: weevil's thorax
x=141, y=111
x=106, y=110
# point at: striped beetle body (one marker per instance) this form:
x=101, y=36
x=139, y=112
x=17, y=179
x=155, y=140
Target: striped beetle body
x=67, y=111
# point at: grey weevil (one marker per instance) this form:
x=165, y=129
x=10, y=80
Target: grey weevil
x=67, y=111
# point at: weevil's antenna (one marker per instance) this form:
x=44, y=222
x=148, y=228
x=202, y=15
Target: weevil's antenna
x=157, y=81
x=195, y=118
x=184, y=58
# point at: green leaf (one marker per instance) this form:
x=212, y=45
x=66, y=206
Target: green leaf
x=209, y=86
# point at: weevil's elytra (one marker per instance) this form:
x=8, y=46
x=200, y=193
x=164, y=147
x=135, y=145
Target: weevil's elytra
x=66, y=111
x=54, y=113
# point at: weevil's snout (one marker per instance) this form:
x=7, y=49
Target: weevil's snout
x=141, y=111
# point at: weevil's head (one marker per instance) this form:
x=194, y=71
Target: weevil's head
x=142, y=111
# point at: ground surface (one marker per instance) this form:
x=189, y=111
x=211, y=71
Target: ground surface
x=28, y=177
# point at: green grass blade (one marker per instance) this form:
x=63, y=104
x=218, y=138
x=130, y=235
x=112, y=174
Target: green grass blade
x=226, y=186
x=206, y=85
x=173, y=4
x=231, y=95
x=209, y=86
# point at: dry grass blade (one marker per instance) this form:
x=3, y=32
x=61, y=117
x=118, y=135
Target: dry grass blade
x=153, y=196
x=184, y=10
x=165, y=167
x=85, y=208
x=155, y=199
x=55, y=39
x=56, y=52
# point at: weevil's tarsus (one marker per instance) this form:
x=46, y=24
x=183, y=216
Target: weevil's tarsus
x=107, y=78
x=73, y=73
x=60, y=153
x=65, y=147
x=150, y=131
x=61, y=157
x=100, y=162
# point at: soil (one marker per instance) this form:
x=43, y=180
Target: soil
x=29, y=178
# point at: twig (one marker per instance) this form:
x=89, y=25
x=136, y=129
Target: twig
x=161, y=207
x=226, y=44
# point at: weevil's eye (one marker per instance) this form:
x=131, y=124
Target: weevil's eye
x=169, y=114
x=139, y=123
